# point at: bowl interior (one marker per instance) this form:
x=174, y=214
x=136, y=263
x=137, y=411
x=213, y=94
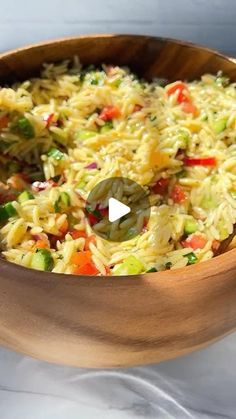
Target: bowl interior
x=148, y=56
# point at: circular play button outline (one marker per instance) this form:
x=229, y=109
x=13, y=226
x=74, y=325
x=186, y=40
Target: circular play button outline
x=118, y=209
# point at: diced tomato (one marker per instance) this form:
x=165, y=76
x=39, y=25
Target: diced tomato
x=92, y=219
x=109, y=113
x=179, y=85
x=76, y=234
x=81, y=258
x=4, y=121
x=137, y=108
x=189, y=107
x=161, y=186
x=48, y=119
x=177, y=194
x=90, y=239
x=87, y=269
x=41, y=244
x=195, y=242
x=201, y=161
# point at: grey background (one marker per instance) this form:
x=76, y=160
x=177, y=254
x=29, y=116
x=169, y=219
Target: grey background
x=210, y=22
x=200, y=385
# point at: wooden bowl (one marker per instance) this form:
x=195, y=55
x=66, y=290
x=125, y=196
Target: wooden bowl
x=124, y=321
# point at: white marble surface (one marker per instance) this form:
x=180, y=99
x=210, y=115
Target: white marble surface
x=201, y=385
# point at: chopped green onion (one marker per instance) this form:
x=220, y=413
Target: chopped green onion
x=192, y=258
x=94, y=82
x=152, y=118
x=25, y=128
x=130, y=266
x=55, y=154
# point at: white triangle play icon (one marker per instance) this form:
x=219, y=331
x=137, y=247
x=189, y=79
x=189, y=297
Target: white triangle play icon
x=116, y=209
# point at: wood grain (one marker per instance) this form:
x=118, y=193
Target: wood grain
x=113, y=322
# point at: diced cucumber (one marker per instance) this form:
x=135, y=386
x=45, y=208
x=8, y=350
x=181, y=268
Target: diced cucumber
x=130, y=266
x=25, y=128
x=25, y=196
x=116, y=82
x=183, y=138
x=208, y=203
x=151, y=270
x=219, y=126
x=106, y=127
x=7, y=210
x=42, y=260
x=55, y=154
x=192, y=258
x=63, y=202
x=3, y=213
x=81, y=185
x=85, y=134
x=190, y=226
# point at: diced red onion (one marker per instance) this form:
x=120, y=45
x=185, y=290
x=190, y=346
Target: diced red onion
x=92, y=166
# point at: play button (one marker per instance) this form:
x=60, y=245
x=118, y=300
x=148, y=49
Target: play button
x=118, y=209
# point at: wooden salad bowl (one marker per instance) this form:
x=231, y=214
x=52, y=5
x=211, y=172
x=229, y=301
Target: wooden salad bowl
x=118, y=321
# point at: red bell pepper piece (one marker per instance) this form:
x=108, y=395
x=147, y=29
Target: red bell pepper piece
x=109, y=113
x=201, y=161
x=48, y=120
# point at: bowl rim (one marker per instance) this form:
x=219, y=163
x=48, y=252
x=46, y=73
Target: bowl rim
x=10, y=267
